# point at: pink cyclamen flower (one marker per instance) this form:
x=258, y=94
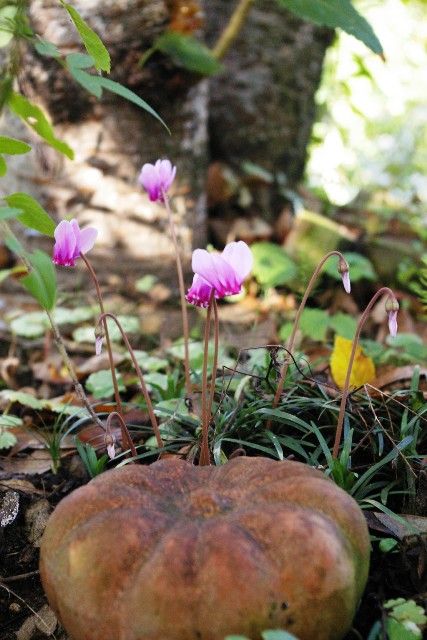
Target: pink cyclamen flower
x=223, y=273
x=71, y=241
x=157, y=179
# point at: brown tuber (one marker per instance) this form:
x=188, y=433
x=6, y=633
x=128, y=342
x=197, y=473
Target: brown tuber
x=177, y=552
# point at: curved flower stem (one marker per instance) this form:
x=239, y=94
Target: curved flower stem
x=291, y=341
x=123, y=428
x=232, y=29
x=204, y=458
x=71, y=370
x=107, y=334
x=144, y=390
x=182, y=296
x=215, y=358
x=345, y=393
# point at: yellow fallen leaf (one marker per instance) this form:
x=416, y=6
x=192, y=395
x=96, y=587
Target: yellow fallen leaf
x=363, y=370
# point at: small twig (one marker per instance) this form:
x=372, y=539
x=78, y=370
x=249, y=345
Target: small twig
x=232, y=29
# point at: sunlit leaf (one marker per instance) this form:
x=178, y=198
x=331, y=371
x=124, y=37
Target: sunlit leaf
x=188, y=52
x=92, y=42
x=32, y=214
x=11, y=146
x=363, y=370
x=7, y=15
x=41, y=282
x=336, y=14
x=34, y=117
x=3, y=167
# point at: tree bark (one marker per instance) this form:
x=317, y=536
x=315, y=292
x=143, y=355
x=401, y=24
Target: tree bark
x=262, y=106
x=261, y=109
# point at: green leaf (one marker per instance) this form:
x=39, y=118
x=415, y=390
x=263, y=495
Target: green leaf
x=343, y=324
x=314, y=323
x=92, y=42
x=95, y=84
x=45, y=48
x=272, y=266
x=188, y=52
x=32, y=213
x=359, y=267
x=334, y=14
x=7, y=439
x=30, y=325
x=11, y=146
x=100, y=384
x=9, y=212
x=3, y=167
x=41, y=282
x=122, y=91
x=7, y=28
x=26, y=399
x=399, y=631
x=388, y=544
x=10, y=421
x=34, y=117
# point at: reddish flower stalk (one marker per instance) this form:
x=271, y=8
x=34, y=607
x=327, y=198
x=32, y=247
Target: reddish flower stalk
x=139, y=373
x=344, y=271
x=107, y=338
x=204, y=458
x=109, y=438
x=184, y=313
x=157, y=179
x=392, y=307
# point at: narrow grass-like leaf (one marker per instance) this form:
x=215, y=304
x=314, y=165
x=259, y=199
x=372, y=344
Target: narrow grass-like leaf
x=376, y=467
x=91, y=40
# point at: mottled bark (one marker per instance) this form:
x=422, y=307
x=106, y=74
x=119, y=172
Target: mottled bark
x=112, y=137
x=261, y=109
x=262, y=105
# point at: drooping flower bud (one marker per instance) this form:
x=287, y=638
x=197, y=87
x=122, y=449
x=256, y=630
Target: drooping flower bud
x=343, y=269
x=99, y=336
x=392, y=307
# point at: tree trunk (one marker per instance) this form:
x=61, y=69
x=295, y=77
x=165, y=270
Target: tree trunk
x=261, y=109
x=112, y=138
x=262, y=105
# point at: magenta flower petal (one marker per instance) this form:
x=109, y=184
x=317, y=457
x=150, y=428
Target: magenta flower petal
x=199, y=293
x=217, y=272
x=239, y=256
x=70, y=241
x=65, y=244
x=157, y=179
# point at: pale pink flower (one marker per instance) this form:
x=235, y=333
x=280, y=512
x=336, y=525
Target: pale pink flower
x=71, y=241
x=221, y=273
x=392, y=322
x=157, y=179
x=345, y=275
x=346, y=281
